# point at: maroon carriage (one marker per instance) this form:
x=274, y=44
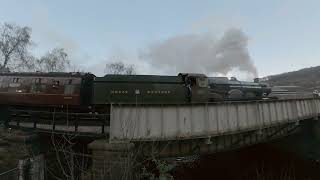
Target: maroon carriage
x=37, y=89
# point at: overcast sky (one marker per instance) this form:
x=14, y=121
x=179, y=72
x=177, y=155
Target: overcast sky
x=283, y=35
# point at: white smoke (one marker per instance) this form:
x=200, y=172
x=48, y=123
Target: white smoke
x=202, y=53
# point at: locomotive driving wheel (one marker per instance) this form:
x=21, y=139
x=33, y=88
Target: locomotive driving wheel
x=235, y=94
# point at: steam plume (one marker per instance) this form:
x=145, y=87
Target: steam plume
x=202, y=53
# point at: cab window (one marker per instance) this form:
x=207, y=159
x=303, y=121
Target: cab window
x=202, y=82
x=192, y=81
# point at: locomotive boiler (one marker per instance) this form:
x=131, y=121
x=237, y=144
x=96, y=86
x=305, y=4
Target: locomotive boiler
x=221, y=88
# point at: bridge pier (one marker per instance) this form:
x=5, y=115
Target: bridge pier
x=112, y=160
x=21, y=150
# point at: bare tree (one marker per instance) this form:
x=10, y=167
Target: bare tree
x=76, y=68
x=14, y=42
x=120, y=68
x=55, y=60
x=24, y=64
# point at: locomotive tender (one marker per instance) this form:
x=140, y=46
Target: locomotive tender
x=87, y=90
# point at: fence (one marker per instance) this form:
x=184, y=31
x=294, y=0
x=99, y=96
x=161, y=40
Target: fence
x=84, y=123
x=11, y=174
x=31, y=168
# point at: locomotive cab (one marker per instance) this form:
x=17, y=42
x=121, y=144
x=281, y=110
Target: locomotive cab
x=197, y=86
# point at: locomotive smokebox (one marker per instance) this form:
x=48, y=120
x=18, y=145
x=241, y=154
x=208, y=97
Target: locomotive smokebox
x=256, y=80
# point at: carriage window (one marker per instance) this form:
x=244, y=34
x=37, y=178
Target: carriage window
x=55, y=84
x=15, y=80
x=37, y=81
x=37, y=87
x=69, y=88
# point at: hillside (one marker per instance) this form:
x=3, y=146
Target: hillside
x=307, y=79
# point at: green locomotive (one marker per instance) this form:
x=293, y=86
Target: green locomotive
x=184, y=88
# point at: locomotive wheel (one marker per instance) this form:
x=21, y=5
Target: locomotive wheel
x=235, y=94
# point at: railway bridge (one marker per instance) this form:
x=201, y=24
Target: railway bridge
x=181, y=129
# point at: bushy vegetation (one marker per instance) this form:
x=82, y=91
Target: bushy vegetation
x=156, y=169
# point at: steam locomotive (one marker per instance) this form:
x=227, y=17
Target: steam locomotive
x=85, y=98
x=86, y=90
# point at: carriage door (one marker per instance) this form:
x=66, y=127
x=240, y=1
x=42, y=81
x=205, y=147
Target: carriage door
x=68, y=92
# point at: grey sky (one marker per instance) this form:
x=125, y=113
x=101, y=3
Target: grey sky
x=283, y=35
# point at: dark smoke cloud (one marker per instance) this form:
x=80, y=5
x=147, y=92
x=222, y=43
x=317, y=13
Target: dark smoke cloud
x=202, y=53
